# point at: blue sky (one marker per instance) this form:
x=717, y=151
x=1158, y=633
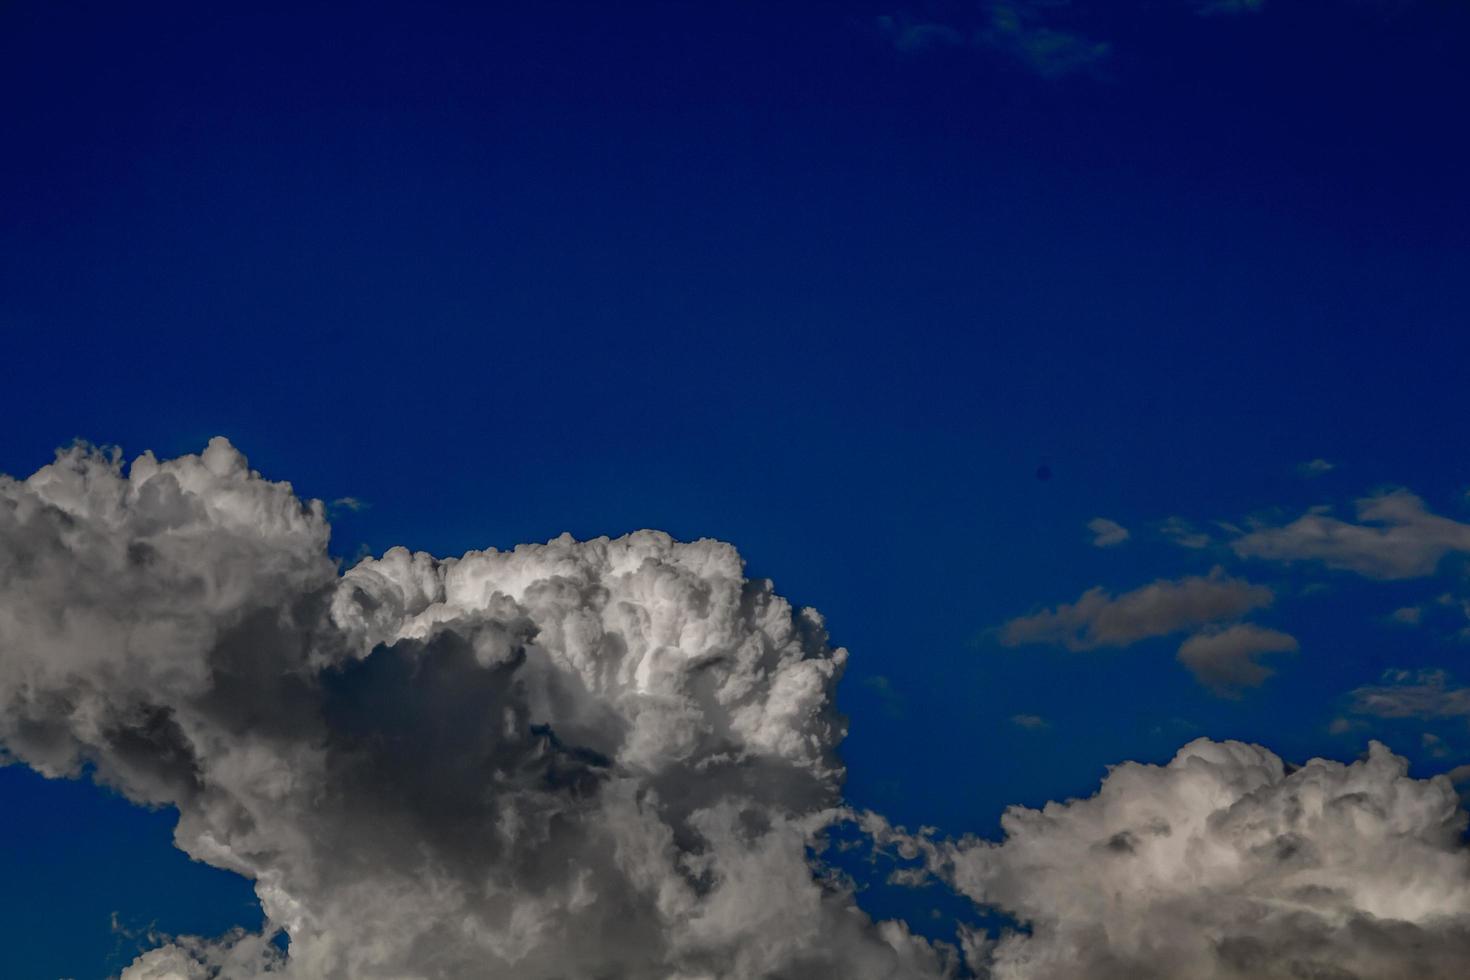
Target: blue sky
x=828, y=281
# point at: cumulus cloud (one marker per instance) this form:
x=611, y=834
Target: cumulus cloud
x=1166, y=606
x=585, y=758
x=1106, y=533
x=618, y=758
x=1395, y=537
x=1226, y=863
x=1227, y=660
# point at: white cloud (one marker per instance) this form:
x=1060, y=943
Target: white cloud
x=1224, y=864
x=1227, y=660
x=1032, y=723
x=1099, y=618
x=600, y=758
x=1396, y=537
x=1106, y=533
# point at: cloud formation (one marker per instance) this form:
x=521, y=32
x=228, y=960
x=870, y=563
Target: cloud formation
x=1227, y=660
x=1016, y=29
x=1395, y=537
x=601, y=758
x=618, y=758
x=1226, y=863
x=1106, y=533
x=1422, y=694
x=1315, y=467
x=1099, y=619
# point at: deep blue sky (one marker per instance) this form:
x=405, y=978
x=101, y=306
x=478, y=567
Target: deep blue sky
x=774, y=274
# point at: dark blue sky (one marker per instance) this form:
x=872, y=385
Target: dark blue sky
x=829, y=281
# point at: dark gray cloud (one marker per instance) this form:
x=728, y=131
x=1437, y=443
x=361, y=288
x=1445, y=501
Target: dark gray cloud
x=1228, y=660
x=1099, y=619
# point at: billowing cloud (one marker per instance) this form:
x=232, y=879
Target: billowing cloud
x=599, y=758
x=1227, y=660
x=1396, y=537
x=1106, y=533
x=1166, y=606
x=1227, y=864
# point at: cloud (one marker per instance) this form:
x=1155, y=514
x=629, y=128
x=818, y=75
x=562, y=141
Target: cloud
x=892, y=701
x=1015, y=29
x=582, y=758
x=1423, y=694
x=1407, y=615
x=1225, y=660
x=1210, y=8
x=909, y=35
x=1226, y=863
x=1166, y=606
x=1184, y=534
x=1106, y=533
x=1032, y=723
x=1396, y=537
x=1315, y=467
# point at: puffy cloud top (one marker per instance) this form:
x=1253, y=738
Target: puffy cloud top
x=1226, y=863
x=604, y=758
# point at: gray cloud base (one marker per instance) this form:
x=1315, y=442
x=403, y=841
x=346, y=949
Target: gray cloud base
x=603, y=758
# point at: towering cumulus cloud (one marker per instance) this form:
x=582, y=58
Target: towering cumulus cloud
x=616, y=759
x=581, y=759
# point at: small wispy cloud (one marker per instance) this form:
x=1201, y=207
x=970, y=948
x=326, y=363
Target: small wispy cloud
x=1421, y=694
x=1213, y=8
x=1016, y=29
x=1031, y=723
x=1395, y=537
x=1099, y=619
x=1315, y=467
x=892, y=701
x=1107, y=533
x=1184, y=534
